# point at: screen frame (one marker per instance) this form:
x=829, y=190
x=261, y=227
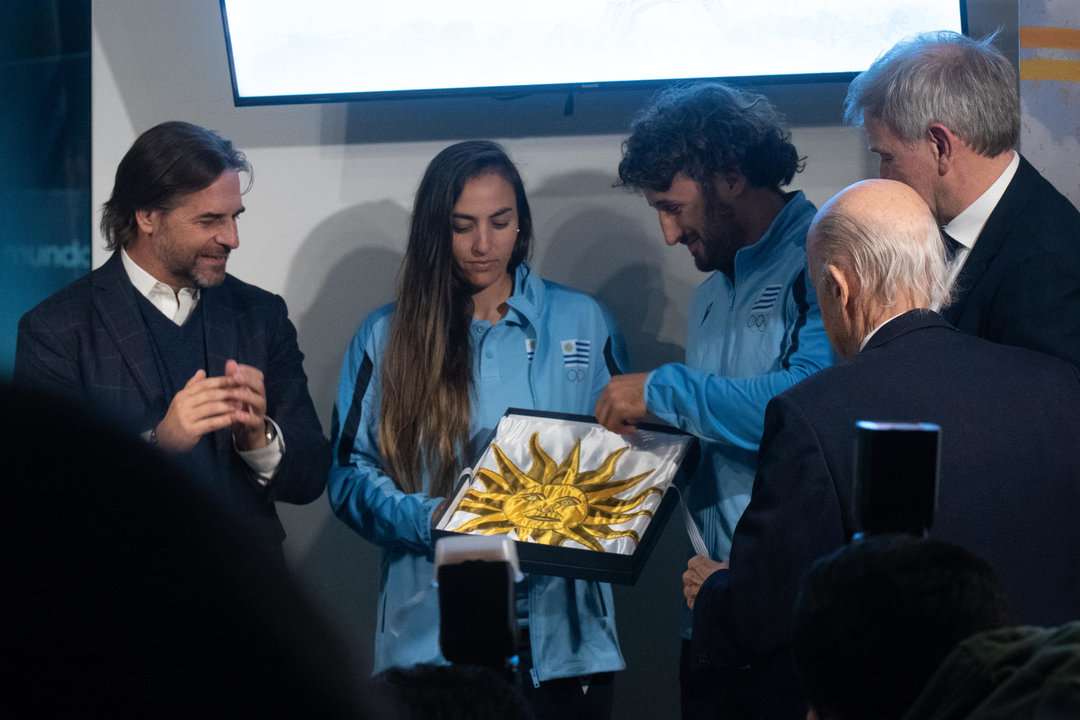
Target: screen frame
x=510, y=92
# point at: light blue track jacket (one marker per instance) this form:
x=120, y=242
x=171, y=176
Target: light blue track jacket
x=746, y=342
x=532, y=359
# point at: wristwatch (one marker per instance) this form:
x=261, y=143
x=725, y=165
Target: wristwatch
x=271, y=432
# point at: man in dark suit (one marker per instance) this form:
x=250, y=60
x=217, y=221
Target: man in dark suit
x=943, y=113
x=161, y=340
x=1009, y=483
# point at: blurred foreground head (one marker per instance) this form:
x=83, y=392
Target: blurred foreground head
x=129, y=593
x=875, y=619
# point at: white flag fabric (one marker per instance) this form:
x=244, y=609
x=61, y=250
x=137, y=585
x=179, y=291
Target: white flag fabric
x=567, y=483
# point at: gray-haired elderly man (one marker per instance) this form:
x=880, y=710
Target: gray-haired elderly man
x=1009, y=482
x=943, y=113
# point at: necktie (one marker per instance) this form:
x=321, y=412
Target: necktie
x=952, y=246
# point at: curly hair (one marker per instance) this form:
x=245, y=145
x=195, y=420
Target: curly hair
x=705, y=129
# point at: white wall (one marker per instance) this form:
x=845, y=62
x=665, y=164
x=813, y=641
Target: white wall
x=326, y=223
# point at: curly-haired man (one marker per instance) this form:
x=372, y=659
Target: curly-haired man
x=712, y=160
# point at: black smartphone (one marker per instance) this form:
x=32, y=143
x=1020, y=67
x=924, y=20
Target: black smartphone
x=896, y=477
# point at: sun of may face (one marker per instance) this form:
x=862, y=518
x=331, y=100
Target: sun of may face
x=553, y=502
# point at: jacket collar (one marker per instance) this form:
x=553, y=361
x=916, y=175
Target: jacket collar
x=117, y=308
x=528, y=296
x=911, y=321
x=790, y=225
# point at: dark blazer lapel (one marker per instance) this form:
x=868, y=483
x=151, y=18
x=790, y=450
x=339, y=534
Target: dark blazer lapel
x=118, y=311
x=219, y=328
x=220, y=335
x=993, y=234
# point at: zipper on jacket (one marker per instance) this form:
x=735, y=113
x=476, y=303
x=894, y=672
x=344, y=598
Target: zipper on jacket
x=535, y=677
x=603, y=605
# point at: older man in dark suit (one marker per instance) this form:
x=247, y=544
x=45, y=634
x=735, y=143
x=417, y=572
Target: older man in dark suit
x=943, y=113
x=164, y=342
x=1009, y=484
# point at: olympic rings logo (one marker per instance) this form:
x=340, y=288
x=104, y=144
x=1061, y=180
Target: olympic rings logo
x=757, y=321
x=575, y=375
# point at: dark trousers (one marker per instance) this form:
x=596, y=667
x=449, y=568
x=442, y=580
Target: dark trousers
x=701, y=691
x=587, y=697
x=769, y=690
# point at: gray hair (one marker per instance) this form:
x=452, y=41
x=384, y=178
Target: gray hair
x=890, y=263
x=941, y=77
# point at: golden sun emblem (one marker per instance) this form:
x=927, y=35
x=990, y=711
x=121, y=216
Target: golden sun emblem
x=553, y=503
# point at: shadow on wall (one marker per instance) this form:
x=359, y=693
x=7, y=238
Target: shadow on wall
x=349, y=271
x=607, y=255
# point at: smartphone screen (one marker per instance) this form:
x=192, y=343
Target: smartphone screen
x=896, y=472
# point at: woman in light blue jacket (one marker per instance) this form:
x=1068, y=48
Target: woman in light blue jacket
x=425, y=380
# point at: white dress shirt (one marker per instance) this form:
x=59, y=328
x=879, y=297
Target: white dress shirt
x=965, y=227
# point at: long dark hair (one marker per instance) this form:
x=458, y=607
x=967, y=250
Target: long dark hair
x=427, y=369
